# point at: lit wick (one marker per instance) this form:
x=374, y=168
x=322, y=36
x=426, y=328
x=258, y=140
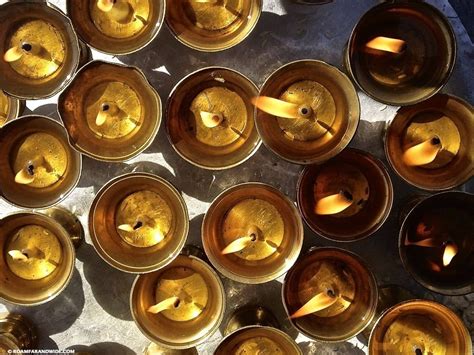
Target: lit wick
x=156, y=234
x=26, y=254
x=449, y=253
x=282, y=108
x=334, y=203
x=169, y=303
x=239, y=244
x=211, y=120
x=387, y=44
x=319, y=302
x=27, y=48
x=423, y=153
x=107, y=110
x=27, y=175
x=119, y=11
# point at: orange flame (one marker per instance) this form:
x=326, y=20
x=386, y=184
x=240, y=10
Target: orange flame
x=238, y=245
x=13, y=54
x=276, y=107
x=423, y=153
x=387, y=44
x=319, y=302
x=449, y=253
x=210, y=119
x=17, y=255
x=334, y=203
x=164, y=305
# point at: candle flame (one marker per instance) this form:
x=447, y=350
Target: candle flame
x=319, y=302
x=126, y=227
x=168, y=303
x=423, y=153
x=13, y=54
x=24, y=177
x=210, y=119
x=119, y=11
x=105, y=5
x=449, y=253
x=17, y=255
x=334, y=203
x=276, y=107
x=428, y=243
x=238, y=245
x=387, y=44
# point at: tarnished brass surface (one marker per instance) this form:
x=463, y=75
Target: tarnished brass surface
x=111, y=208
x=212, y=26
x=270, y=215
x=132, y=106
x=449, y=118
x=331, y=96
x=220, y=91
x=258, y=340
x=358, y=173
x=413, y=75
x=420, y=326
x=180, y=328
x=16, y=333
x=40, y=246
x=20, y=286
x=347, y=277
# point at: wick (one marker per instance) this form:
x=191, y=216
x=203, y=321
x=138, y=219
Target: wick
x=305, y=111
x=435, y=141
x=347, y=195
x=26, y=47
x=176, y=303
x=418, y=351
x=105, y=107
x=331, y=293
x=253, y=237
x=139, y=224
x=31, y=169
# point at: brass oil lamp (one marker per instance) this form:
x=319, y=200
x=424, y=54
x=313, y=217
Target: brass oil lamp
x=111, y=112
x=210, y=118
x=420, y=327
x=38, y=168
x=39, y=48
x=346, y=198
x=308, y=112
x=155, y=349
x=16, y=333
x=37, y=255
x=436, y=243
x=179, y=306
x=401, y=52
x=252, y=233
x=330, y=295
x=212, y=25
x=10, y=108
x=117, y=26
x=138, y=222
x=430, y=144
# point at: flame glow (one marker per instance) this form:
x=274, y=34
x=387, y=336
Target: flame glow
x=276, y=107
x=210, y=119
x=105, y=5
x=17, y=255
x=319, y=302
x=449, y=253
x=126, y=227
x=333, y=204
x=423, y=153
x=428, y=243
x=387, y=44
x=23, y=177
x=237, y=245
x=163, y=305
x=13, y=54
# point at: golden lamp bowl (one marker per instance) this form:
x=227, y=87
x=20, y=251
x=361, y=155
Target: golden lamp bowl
x=420, y=327
x=144, y=200
x=212, y=26
x=433, y=224
x=409, y=74
x=252, y=339
x=20, y=281
x=48, y=46
x=10, y=108
x=194, y=318
x=263, y=214
x=16, y=333
x=40, y=143
x=347, y=278
x=334, y=104
x=370, y=187
x=127, y=27
x=111, y=111
x=451, y=121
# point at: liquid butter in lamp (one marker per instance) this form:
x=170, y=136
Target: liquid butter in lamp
x=117, y=27
x=40, y=50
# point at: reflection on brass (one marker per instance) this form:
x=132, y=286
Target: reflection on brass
x=149, y=217
x=40, y=249
x=340, y=274
x=10, y=108
x=110, y=111
x=138, y=222
x=210, y=118
x=69, y=222
x=328, y=112
x=354, y=184
x=39, y=49
x=436, y=245
x=401, y=53
x=267, y=217
x=447, y=124
x=194, y=317
x=212, y=25
x=420, y=327
x=16, y=333
x=38, y=168
x=117, y=27
x=50, y=258
x=155, y=349
x=258, y=340
x=250, y=316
